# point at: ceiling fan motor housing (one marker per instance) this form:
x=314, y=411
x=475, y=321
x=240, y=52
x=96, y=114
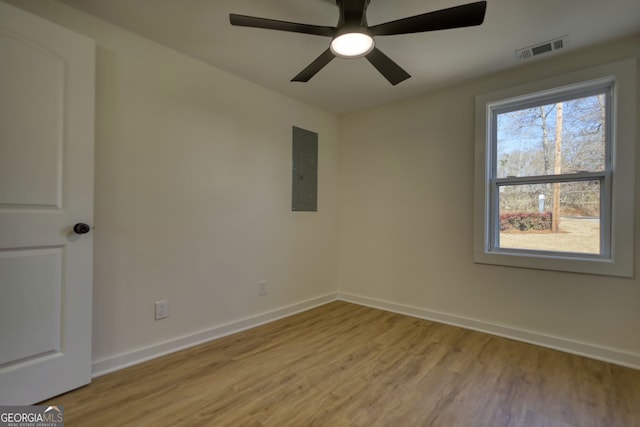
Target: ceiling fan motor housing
x=352, y=13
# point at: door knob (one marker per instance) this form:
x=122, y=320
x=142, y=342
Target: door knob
x=81, y=228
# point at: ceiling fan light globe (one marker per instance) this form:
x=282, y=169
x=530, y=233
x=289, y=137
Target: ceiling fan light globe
x=352, y=45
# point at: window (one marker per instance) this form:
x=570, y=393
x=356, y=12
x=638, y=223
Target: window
x=555, y=173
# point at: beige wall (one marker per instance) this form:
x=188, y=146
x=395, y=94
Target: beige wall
x=192, y=195
x=407, y=214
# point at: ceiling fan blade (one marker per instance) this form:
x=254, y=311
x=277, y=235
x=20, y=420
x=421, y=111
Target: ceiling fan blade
x=466, y=15
x=273, y=24
x=313, y=68
x=389, y=69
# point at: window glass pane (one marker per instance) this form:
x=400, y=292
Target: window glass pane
x=528, y=220
x=550, y=139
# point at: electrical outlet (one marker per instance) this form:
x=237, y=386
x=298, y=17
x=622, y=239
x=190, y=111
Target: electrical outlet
x=262, y=287
x=162, y=309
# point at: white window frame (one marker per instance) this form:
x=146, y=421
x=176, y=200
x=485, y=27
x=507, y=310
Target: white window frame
x=617, y=180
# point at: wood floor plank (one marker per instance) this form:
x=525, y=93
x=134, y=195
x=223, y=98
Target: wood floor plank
x=347, y=365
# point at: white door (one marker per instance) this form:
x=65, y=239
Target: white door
x=46, y=187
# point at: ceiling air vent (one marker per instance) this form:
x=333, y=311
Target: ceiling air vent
x=542, y=48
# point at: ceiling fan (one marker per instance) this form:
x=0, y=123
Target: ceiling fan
x=353, y=37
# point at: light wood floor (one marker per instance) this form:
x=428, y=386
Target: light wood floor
x=347, y=365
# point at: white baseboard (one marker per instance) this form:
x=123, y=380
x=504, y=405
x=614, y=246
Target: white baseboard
x=120, y=361
x=557, y=343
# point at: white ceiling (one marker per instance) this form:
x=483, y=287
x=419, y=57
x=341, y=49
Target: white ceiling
x=201, y=29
